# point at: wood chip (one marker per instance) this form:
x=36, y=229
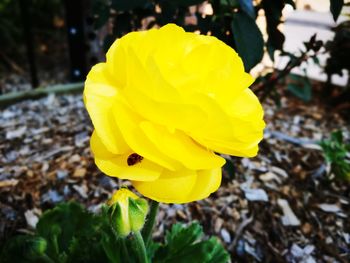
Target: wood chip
x=288, y=218
x=31, y=218
x=80, y=172
x=329, y=208
x=7, y=183
x=16, y=133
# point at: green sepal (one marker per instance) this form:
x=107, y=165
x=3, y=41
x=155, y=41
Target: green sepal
x=119, y=223
x=138, y=210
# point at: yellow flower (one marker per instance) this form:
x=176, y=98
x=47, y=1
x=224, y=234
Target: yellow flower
x=127, y=212
x=162, y=104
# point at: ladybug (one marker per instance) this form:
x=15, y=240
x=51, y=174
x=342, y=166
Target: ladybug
x=133, y=159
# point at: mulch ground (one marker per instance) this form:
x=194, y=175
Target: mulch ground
x=277, y=207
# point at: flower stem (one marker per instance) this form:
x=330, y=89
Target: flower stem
x=140, y=248
x=151, y=218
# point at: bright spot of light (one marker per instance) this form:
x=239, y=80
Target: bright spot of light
x=208, y=9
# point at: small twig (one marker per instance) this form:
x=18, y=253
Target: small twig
x=273, y=249
x=286, y=138
x=14, y=66
x=225, y=206
x=267, y=86
x=239, y=232
x=327, y=193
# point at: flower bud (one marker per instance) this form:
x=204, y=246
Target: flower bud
x=127, y=212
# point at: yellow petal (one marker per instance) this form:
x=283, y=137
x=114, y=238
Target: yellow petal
x=99, y=97
x=117, y=165
x=179, y=146
x=98, y=148
x=122, y=195
x=145, y=170
x=190, y=187
x=143, y=97
x=167, y=188
x=118, y=57
x=243, y=129
x=208, y=181
x=129, y=123
x=233, y=147
x=246, y=106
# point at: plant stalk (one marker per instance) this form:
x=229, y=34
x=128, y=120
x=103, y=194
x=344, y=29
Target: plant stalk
x=140, y=247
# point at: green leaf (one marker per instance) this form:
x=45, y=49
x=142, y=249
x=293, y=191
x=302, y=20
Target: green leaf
x=248, y=39
x=69, y=234
x=300, y=91
x=335, y=151
x=112, y=248
x=62, y=225
x=152, y=248
x=335, y=8
x=337, y=137
x=273, y=13
x=24, y=249
x=125, y=5
x=248, y=7
x=300, y=87
x=180, y=236
x=275, y=42
x=271, y=50
x=217, y=252
x=62, y=221
x=183, y=245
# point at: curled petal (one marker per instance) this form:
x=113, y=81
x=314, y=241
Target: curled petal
x=193, y=185
x=243, y=129
x=208, y=181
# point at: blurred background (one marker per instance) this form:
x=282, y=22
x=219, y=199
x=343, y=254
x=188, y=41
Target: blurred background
x=289, y=204
x=45, y=42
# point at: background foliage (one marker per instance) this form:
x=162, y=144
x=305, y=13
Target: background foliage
x=232, y=21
